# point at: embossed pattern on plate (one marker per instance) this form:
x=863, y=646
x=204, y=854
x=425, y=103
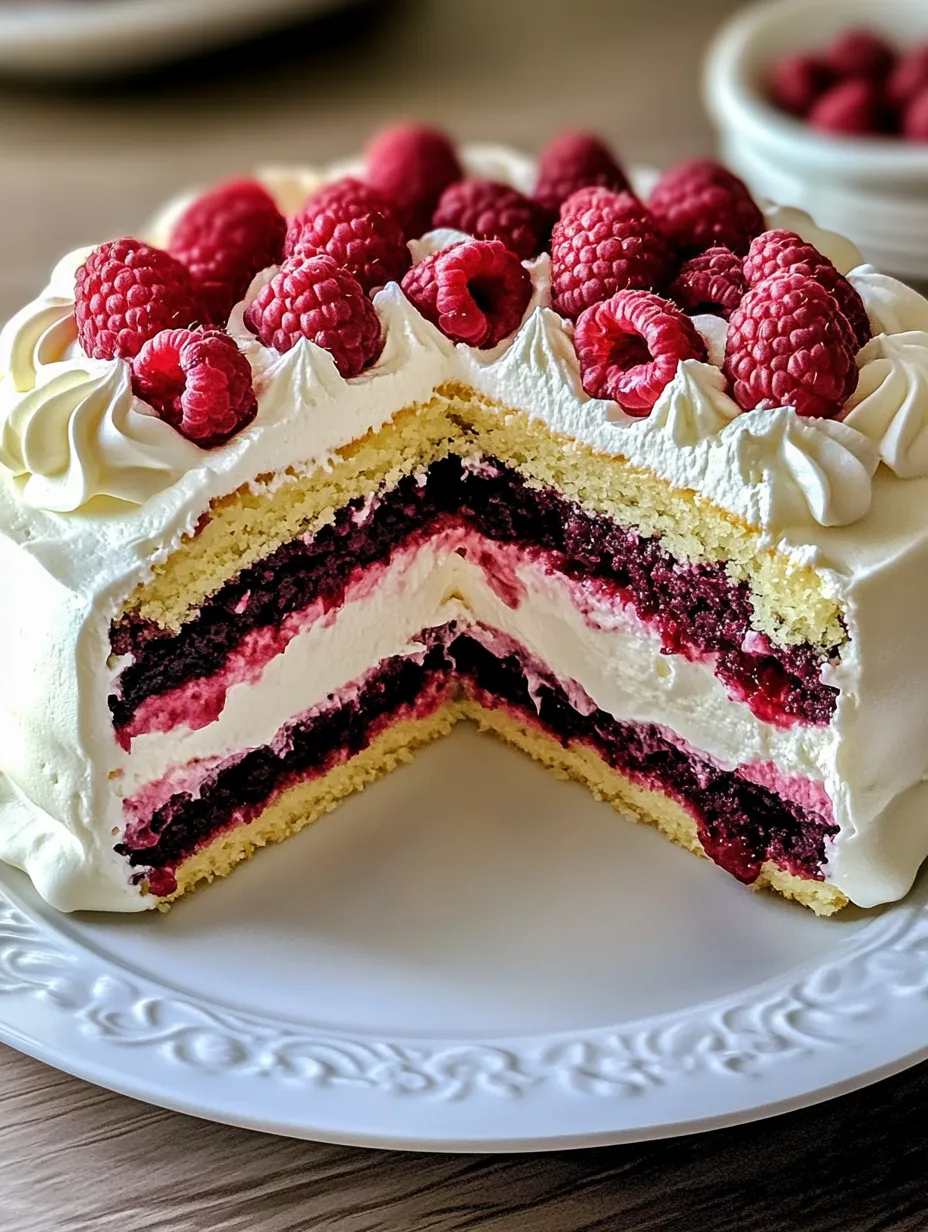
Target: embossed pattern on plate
x=476, y=961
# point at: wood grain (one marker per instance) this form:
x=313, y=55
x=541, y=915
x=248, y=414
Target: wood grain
x=73, y=1157
x=82, y=166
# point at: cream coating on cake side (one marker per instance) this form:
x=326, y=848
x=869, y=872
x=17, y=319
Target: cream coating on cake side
x=795, y=482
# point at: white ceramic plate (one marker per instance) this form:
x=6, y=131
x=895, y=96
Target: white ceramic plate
x=471, y=955
x=81, y=38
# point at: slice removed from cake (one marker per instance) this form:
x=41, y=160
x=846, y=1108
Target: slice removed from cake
x=631, y=488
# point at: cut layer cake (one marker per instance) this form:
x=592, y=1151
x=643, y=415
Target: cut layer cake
x=329, y=462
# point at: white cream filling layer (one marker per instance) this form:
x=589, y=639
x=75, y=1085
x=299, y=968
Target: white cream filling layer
x=617, y=661
x=614, y=658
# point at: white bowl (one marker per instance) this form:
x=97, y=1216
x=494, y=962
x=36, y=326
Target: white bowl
x=873, y=189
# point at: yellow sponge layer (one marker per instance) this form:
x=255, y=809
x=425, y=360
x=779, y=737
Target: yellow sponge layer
x=652, y=808
x=790, y=601
x=256, y=519
x=305, y=802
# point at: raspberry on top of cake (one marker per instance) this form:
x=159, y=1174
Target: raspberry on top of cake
x=634, y=476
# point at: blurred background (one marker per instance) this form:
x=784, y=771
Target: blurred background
x=83, y=161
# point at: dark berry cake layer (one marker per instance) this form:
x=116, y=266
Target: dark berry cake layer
x=741, y=824
x=697, y=609
x=303, y=749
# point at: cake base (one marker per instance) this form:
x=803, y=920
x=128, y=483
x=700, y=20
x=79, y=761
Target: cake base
x=305, y=802
x=640, y=804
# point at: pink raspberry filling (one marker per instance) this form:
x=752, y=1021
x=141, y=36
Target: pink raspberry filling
x=740, y=822
x=696, y=609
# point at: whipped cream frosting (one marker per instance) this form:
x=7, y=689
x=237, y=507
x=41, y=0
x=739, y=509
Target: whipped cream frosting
x=435, y=241
x=695, y=405
x=714, y=333
x=812, y=487
x=890, y=404
x=44, y=331
x=803, y=467
x=893, y=307
x=81, y=433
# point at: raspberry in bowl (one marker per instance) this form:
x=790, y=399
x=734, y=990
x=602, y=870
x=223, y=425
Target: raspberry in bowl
x=819, y=105
x=859, y=85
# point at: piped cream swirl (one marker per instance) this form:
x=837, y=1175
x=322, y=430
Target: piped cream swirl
x=434, y=241
x=803, y=467
x=81, y=433
x=890, y=404
x=893, y=307
x=538, y=369
x=44, y=331
x=714, y=332
x=695, y=405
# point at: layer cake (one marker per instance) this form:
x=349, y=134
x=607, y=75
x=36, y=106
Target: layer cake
x=447, y=435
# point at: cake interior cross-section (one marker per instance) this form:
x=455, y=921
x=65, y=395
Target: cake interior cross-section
x=330, y=461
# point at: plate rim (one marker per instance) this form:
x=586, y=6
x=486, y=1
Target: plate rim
x=473, y=1146
x=65, y=1004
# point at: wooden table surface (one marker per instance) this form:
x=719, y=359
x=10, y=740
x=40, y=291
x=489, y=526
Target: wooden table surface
x=79, y=167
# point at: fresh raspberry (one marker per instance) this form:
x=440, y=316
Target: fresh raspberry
x=491, y=211
x=630, y=346
x=411, y=166
x=712, y=282
x=797, y=82
x=789, y=345
x=198, y=381
x=366, y=240
x=915, y=119
x=852, y=108
x=701, y=205
x=475, y=292
x=125, y=293
x=612, y=244
x=224, y=238
x=314, y=298
x=347, y=190
x=861, y=53
x=571, y=161
x=909, y=77
x=593, y=195
x=781, y=252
